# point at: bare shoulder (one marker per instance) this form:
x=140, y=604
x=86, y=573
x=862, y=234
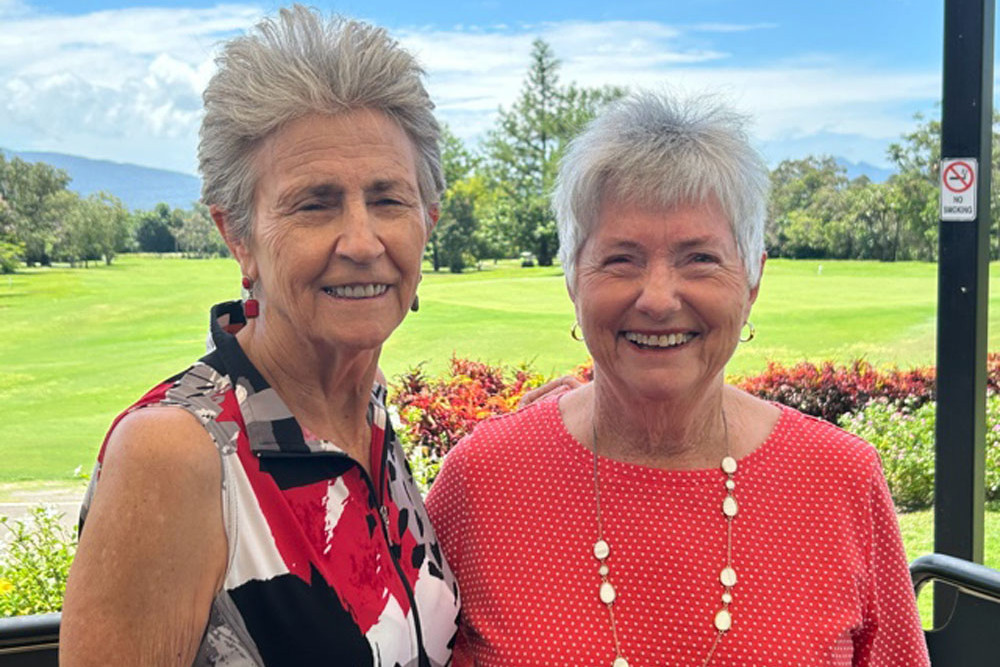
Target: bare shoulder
x=153, y=552
x=162, y=437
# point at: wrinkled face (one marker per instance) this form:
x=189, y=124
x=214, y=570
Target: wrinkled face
x=661, y=297
x=339, y=228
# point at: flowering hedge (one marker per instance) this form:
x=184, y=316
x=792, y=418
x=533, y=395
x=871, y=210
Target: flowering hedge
x=904, y=439
x=435, y=413
x=891, y=408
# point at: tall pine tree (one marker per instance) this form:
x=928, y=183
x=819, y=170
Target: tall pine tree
x=523, y=150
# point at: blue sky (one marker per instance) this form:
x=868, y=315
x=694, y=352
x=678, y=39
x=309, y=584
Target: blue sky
x=122, y=80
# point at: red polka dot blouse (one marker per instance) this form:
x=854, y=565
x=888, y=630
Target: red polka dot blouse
x=822, y=575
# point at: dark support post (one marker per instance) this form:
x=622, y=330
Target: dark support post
x=966, y=133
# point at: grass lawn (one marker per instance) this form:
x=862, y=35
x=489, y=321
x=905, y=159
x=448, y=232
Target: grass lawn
x=78, y=345
x=918, y=537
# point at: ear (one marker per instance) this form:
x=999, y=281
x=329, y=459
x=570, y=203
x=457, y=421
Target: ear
x=756, y=288
x=237, y=247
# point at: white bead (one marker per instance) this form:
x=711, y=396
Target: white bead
x=723, y=620
x=620, y=662
x=728, y=577
x=729, y=507
x=727, y=598
x=729, y=465
x=730, y=484
x=601, y=549
x=607, y=593
x=603, y=570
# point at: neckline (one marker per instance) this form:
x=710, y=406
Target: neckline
x=582, y=454
x=271, y=427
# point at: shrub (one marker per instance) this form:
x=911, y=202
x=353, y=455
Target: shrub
x=10, y=256
x=905, y=442
x=830, y=391
x=904, y=439
x=435, y=413
x=35, y=563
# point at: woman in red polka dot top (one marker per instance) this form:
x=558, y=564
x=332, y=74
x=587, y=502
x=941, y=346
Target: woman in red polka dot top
x=657, y=516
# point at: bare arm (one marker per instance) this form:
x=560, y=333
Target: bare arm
x=153, y=552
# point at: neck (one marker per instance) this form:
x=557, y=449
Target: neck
x=675, y=433
x=326, y=388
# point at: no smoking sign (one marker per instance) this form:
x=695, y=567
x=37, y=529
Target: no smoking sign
x=958, y=189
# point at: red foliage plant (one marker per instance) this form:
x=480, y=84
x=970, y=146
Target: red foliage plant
x=828, y=390
x=437, y=412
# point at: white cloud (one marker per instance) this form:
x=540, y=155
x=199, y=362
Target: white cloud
x=113, y=83
x=126, y=85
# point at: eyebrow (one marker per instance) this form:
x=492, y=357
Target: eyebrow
x=317, y=191
x=385, y=185
x=687, y=244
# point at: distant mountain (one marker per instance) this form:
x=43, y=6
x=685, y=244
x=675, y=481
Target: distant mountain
x=855, y=169
x=138, y=187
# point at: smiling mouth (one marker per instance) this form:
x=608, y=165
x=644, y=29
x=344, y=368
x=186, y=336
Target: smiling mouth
x=358, y=291
x=662, y=341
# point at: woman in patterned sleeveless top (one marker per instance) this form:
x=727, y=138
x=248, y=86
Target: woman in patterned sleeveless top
x=255, y=508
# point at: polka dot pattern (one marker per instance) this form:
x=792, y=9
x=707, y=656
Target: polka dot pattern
x=823, y=578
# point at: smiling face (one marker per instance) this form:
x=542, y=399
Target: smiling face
x=661, y=297
x=339, y=229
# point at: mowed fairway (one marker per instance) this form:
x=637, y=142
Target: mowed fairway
x=78, y=345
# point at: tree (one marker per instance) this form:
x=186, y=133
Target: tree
x=112, y=225
x=26, y=189
x=804, y=199
x=523, y=150
x=460, y=223
x=198, y=236
x=458, y=163
x=918, y=158
x=154, y=230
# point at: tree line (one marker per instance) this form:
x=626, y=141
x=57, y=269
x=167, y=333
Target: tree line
x=42, y=221
x=496, y=205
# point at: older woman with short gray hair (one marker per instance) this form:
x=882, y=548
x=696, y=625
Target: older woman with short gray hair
x=255, y=508
x=657, y=515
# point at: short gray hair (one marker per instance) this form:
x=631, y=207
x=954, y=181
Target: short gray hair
x=662, y=151
x=296, y=64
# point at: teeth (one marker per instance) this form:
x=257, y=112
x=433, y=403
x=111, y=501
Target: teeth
x=356, y=291
x=665, y=340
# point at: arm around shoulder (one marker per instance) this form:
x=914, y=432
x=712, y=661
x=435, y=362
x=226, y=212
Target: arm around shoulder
x=153, y=552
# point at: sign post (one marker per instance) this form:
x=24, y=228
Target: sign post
x=963, y=267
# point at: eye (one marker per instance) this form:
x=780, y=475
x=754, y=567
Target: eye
x=618, y=259
x=311, y=206
x=389, y=201
x=704, y=258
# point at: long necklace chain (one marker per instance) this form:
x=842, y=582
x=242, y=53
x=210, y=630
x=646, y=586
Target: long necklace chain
x=727, y=576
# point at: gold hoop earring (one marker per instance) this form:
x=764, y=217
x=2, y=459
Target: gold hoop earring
x=751, y=332
x=575, y=333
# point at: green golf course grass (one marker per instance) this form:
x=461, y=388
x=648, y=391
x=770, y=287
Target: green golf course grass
x=79, y=345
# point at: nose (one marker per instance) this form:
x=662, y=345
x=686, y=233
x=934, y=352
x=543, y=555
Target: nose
x=358, y=239
x=660, y=292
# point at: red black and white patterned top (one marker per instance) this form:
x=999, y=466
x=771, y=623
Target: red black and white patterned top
x=327, y=566
x=822, y=575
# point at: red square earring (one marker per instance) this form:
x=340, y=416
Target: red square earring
x=251, y=307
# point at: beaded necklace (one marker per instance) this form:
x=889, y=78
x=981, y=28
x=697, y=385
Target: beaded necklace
x=727, y=577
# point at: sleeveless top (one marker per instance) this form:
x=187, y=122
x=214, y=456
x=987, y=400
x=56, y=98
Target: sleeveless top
x=327, y=565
